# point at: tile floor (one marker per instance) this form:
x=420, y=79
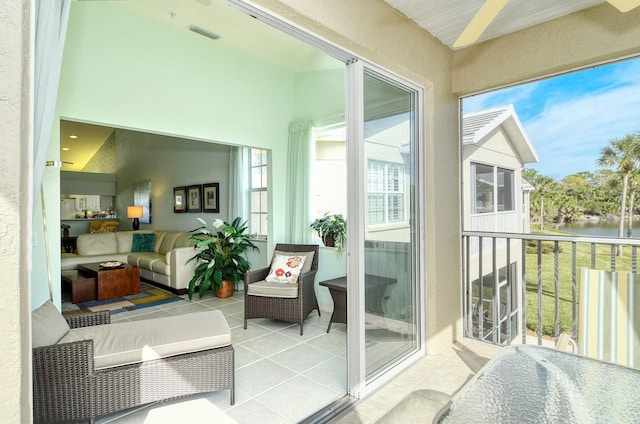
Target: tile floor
x=419, y=393
x=283, y=378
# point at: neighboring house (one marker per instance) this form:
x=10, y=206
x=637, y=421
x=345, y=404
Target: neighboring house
x=496, y=199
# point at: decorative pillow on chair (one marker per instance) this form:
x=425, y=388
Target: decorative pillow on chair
x=143, y=242
x=285, y=269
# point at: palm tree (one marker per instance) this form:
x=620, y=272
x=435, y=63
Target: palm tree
x=634, y=185
x=545, y=186
x=622, y=153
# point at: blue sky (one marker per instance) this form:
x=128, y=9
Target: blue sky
x=569, y=118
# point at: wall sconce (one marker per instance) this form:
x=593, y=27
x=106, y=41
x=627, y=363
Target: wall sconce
x=135, y=212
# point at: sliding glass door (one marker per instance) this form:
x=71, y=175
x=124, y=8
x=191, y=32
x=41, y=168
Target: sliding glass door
x=391, y=228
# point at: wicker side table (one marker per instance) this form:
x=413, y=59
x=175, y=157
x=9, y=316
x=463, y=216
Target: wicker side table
x=338, y=289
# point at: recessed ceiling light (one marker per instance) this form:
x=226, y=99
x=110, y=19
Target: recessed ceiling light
x=66, y=149
x=73, y=136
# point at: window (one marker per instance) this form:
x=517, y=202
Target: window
x=386, y=193
x=493, y=189
x=258, y=207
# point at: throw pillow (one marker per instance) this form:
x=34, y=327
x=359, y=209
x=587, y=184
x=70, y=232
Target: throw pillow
x=47, y=325
x=143, y=242
x=308, y=258
x=285, y=269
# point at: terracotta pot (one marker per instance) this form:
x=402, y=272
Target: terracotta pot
x=226, y=290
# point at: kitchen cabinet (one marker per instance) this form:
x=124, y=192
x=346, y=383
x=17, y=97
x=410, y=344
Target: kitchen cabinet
x=87, y=202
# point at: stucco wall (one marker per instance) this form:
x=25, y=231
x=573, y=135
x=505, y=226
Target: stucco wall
x=584, y=38
x=15, y=233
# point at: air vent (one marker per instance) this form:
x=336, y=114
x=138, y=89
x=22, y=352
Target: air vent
x=204, y=32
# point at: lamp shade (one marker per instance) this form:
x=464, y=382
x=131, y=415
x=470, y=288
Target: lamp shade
x=134, y=212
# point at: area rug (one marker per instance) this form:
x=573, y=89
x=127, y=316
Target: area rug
x=149, y=296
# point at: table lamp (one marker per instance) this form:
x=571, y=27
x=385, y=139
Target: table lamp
x=135, y=212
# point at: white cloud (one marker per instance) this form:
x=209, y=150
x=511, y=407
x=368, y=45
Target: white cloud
x=568, y=135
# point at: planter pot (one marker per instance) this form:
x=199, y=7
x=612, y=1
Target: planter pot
x=226, y=290
x=329, y=241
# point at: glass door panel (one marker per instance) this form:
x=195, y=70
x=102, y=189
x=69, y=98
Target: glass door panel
x=390, y=233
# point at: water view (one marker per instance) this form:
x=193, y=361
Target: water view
x=602, y=228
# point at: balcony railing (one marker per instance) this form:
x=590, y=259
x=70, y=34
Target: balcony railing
x=519, y=287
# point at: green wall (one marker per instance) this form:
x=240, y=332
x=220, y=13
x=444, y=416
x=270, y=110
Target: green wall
x=131, y=72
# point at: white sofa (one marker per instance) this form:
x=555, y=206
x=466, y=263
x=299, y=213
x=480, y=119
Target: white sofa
x=165, y=265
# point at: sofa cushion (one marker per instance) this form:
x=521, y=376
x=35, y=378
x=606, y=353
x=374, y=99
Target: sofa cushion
x=143, y=242
x=47, y=325
x=168, y=242
x=308, y=262
x=97, y=244
x=267, y=289
x=125, y=241
x=70, y=262
x=159, y=238
x=131, y=342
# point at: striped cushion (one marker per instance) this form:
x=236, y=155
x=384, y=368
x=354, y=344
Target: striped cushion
x=608, y=322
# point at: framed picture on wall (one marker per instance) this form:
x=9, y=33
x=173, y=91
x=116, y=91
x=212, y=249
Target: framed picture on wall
x=211, y=197
x=179, y=199
x=194, y=198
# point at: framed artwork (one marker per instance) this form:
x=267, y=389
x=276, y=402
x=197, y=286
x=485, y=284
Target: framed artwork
x=194, y=198
x=211, y=197
x=179, y=199
x=142, y=197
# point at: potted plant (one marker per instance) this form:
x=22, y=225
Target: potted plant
x=332, y=229
x=221, y=257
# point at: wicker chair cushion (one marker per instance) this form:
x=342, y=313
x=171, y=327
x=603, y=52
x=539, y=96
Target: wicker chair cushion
x=308, y=262
x=47, y=325
x=285, y=269
x=132, y=342
x=267, y=289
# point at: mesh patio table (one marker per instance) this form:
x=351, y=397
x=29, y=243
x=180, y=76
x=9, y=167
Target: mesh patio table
x=532, y=384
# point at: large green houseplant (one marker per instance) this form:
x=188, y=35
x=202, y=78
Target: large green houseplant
x=220, y=255
x=332, y=229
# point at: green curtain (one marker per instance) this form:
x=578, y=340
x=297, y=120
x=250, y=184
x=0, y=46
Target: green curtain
x=298, y=214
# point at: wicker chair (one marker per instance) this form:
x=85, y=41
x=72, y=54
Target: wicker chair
x=66, y=387
x=289, y=309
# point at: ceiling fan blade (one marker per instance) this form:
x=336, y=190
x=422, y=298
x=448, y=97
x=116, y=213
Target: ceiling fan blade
x=624, y=5
x=481, y=21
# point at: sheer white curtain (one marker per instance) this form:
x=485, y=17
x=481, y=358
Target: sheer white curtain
x=239, y=183
x=298, y=214
x=51, y=18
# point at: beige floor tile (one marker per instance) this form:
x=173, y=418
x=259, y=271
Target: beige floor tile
x=355, y=418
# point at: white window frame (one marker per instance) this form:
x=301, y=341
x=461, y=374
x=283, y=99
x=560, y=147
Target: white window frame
x=386, y=192
x=496, y=203
x=263, y=207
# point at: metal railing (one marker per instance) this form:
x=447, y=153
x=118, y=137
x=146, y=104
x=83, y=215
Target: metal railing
x=510, y=280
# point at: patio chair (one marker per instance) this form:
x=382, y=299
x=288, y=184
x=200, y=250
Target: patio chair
x=608, y=321
x=290, y=302
x=84, y=367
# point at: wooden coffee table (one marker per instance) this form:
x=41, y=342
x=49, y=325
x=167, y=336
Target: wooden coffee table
x=113, y=282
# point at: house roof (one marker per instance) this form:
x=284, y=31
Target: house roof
x=477, y=127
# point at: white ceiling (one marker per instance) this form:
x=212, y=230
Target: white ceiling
x=239, y=32
x=446, y=19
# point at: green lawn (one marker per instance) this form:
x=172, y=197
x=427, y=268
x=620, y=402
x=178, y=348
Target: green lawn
x=583, y=256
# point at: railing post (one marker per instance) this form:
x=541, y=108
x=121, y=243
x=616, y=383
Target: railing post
x=574, y=290
x=523, y=324
x=556, y=284
x=539, y=292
